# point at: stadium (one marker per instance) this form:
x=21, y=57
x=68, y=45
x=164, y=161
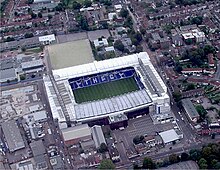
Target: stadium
x=107, y=92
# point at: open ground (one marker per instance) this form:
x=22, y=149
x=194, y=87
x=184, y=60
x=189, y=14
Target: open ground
x=70, y=54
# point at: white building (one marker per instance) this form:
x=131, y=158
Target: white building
x=170, y=136
x=47, y=39
x=100, y=42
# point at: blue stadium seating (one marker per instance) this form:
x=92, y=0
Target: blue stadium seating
x=86, y=81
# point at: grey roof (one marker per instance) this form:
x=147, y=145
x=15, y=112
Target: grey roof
x=37, y=148
x=7, y=63
x=12, y=135
x=111, y=105
x=117, y=118
x=27, y=42
x=98, y=136
x=58, y=165
x=33, y=63
x=76, y=132
x=190, y=109
x=8, y=74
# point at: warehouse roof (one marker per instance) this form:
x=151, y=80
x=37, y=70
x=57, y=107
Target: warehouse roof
x=12, y=135
x=8, y=74
x=190, y=109
x=169, y=136
x=33, y=63
x=76, y=132
x=98, y=136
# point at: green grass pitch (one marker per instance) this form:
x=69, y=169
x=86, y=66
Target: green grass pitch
x=105, y=90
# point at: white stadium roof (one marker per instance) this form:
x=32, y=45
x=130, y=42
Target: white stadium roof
x=112, y=105
x=100, y=66
x=69, y=109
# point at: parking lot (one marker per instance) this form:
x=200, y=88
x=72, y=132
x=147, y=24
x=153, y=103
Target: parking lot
x=138, y=126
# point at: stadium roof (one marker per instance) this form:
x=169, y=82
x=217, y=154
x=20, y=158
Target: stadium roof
x=12, y=135
x=112, y=105
x=101, y=66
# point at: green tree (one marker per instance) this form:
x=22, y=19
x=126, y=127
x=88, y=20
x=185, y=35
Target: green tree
x=173, y=158
x=39, y=15
x=119, y=46
x=103, y=148
x=177, y=96
x=195, y=154
x=76, y=5
x=139, y=49
x=206, y=151
x=202, y=112
x=22, y=77
x=203, y=163
x=138, y=139
x=28, y=35
x=106, y=164
x=124, y=13
x=87, y=3
x=148, y=163
x=190, y=86
x=184, y=156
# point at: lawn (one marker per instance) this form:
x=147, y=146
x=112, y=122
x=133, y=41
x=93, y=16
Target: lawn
x=33, y=50
x=105, y=90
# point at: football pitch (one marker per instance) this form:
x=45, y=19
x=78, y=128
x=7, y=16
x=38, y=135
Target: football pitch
x=105, y=90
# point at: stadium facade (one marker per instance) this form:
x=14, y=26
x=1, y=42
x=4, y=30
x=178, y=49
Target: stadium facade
x=104, y=92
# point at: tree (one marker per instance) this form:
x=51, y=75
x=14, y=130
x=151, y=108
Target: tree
x=8, y=81
x=76, y=5
x=139, y=49
x=195, y=154
x=206, y=151
x=23, y=49
x=28, y=35
x=119, y=46
x=33, y=15
x=184, y=156
x=190, y=86
x=138, y=139
x=148, y=163
x=40, y=15
x=103, y=148
x=49, y=16
x=22, y=77
x=124, y=13
x=203, y=163
x=173, y=158
x=106, y=164
x=177, y=96
x=87, y=3
x=202, y=112
x=197, y=20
